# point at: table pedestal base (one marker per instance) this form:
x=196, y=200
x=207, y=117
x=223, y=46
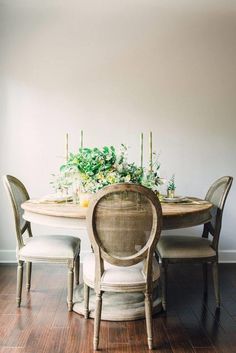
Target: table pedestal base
x=116, y=306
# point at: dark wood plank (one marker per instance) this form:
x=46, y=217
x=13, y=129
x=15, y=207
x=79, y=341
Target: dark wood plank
x=37, y=339
x=195, y=331
x=205, y=350
x=57, y=340
x=11, y=350
x=230, y=306
x=179, y=340
x=161, y=341
x=43, y=324
x=7, y=323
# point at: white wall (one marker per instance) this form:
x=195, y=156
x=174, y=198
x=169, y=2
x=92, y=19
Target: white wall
x=115, y=68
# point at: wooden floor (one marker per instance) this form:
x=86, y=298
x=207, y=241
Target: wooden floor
x=43, y=325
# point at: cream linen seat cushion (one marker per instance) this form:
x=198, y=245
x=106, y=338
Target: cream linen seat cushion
x=184, y=247
x=50, y=247
x=117, y=275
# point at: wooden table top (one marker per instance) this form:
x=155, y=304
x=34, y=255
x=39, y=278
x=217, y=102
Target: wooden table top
x=70, y=210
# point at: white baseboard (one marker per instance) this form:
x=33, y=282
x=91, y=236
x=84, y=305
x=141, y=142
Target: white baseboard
x=9, y=256
x=227, y=256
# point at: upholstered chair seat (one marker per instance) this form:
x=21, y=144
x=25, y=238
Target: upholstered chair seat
x=46, y=248
x=50, y=247
x=185, y=247
x=124, y=223
x=118, y=275
x=204, y=249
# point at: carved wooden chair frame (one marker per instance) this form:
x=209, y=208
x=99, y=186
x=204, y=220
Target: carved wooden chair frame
x=20, y=231
x=208, y=229
x=146, y=253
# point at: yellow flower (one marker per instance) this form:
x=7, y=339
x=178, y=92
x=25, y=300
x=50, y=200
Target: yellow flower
x=100, y=176
x=84, y=176
x=127, y=178
x=111, y=179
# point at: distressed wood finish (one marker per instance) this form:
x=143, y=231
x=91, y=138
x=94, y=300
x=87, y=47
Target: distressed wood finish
x=176, y=215
x=106, y=216
x=216, y=195
x=17, y=193
x=74, y=217
x=191, y=325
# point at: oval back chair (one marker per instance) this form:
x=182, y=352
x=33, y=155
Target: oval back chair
x=47, y=248
x=217, y=195
x=124, y=223
x=18, y=194
x=177, y=248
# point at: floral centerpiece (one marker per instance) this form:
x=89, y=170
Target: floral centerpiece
x=91, y=169
x=97, y=168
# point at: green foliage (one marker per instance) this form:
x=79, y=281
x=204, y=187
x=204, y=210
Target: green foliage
x=152, y=179
x=97, y=168
x=171, y=183
x=91, y=161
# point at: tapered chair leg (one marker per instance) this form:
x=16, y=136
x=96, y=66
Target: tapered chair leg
x=97, y=320
x=156, y=256
x=86, y=301
x=205, y=277
x=215, y=272
x=70, y=286
x=19, y=282
x=148, y=315
x=28, y=275
x=164, y=267
x=77, y=270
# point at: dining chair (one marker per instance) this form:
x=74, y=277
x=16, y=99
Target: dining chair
x=124, y=223
x=44, y=249
x=176, y=248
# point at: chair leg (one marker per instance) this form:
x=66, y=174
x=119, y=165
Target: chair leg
x=70, y=286
x=19, y=282
x=77, y=270
x=215, y=272
x=86, y=301
x=156, y=256
x=97, y=320
x=205, y=277
x=28, y=275
x=164, y=266
x=148, y=315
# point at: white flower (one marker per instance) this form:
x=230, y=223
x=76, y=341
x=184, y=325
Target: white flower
x=127, y=178
x=120, y=168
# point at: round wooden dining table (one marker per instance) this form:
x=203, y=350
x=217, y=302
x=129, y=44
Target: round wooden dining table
x=116, y=306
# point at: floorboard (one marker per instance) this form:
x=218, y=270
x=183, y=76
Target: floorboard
x=191, y=325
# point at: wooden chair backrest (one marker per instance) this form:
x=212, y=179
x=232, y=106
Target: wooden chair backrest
x=217, y=195
x=124, y=224
x=17, y=194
